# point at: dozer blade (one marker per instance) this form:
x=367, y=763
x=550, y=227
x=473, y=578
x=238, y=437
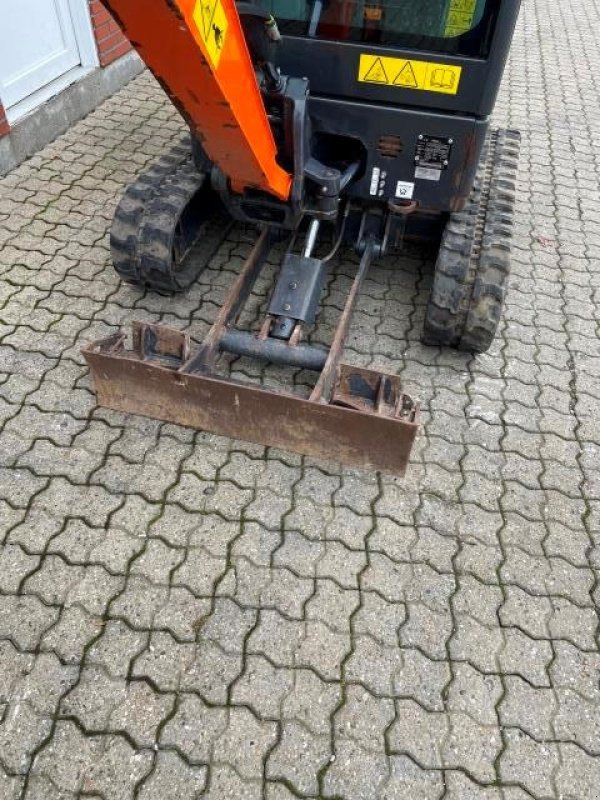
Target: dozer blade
x=369, y=423
x=354, y=416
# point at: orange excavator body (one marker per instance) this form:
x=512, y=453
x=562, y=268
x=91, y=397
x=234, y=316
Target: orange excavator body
x=198, y=52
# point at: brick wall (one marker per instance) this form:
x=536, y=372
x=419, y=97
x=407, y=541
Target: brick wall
x=111, y=42
x=4, y=126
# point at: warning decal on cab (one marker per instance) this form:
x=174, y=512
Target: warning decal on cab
x=212, y=23
x=405, y=74
x=461, y=14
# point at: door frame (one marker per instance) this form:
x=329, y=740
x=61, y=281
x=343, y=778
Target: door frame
x=88, y=54
x=84, y=32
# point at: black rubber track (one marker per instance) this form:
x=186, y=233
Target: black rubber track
x=145, y=243
x=473, y=264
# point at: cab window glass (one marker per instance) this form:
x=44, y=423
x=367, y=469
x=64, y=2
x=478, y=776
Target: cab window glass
x=461, y=27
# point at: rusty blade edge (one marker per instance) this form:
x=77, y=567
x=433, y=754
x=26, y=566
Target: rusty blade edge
x=252, y=413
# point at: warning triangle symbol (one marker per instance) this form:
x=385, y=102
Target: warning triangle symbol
x=406, y=77
x=376, y=73
x=208, y=13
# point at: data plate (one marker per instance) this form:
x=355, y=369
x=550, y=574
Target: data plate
x=433, y=151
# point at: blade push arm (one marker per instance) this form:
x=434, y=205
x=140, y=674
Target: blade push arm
x=198, y=52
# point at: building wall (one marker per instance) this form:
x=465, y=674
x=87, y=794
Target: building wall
x=111, y=42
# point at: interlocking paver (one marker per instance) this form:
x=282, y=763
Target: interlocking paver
x=186, y=616
x=299, y=758
x=173, y=779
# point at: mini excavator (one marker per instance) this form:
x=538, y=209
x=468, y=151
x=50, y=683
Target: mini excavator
x=360, y=123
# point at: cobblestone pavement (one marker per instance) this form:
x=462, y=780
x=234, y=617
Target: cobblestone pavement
x=184, y=616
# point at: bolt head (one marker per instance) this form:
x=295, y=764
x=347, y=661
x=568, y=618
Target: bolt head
x=287, y=307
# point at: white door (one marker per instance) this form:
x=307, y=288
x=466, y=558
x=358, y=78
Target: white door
x=38, y=44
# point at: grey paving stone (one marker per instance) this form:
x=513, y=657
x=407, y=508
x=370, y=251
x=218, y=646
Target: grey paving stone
x=139, y=602
x=350, y=528
x=407, y=780
x=194, y=728
x=479, y=600
x=157, y=561
x=15, y=566
x=286, y=592
x=418, y=734
x=355, y=772
x=75, y=630
x=333, y=605
x=379, y=619
x=227, y=625
x=473, y=693
x=22, y=731
x=528, y=763
x=341, y=565
x=263, y=687
x=164, y=661
x=44, y=685
x=225, y=783
x=577, y=721
x=40, y=788
x=94, y=698
x=212, y=672
x=526, y=656
x=574, y=624
x=68, y=758
x=259, y=545
x=575, y=670
x=277, y=791
x=532, y=710
x=53, y=580
x=11, y=787
x=426, y=629
x=479, y=645
x=95, y=590
x=322, y=650
x=472, y=747
x=117, y=770
x=421, y=679
x=276, y=637
x=183, y=614
x=577, y=775
x=23, y=620
x=116, y=648
x=141, y=714
x=199, y=572
x=311, y=702
x=245, y=743
x=460, y=787
x=173, y=779
x=15, y=667
x=363, y=718
x=298, y=758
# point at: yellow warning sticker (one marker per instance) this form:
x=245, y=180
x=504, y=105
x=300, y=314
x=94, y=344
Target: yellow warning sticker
x=211, y=21
x=460, y=17
x=404, y=74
